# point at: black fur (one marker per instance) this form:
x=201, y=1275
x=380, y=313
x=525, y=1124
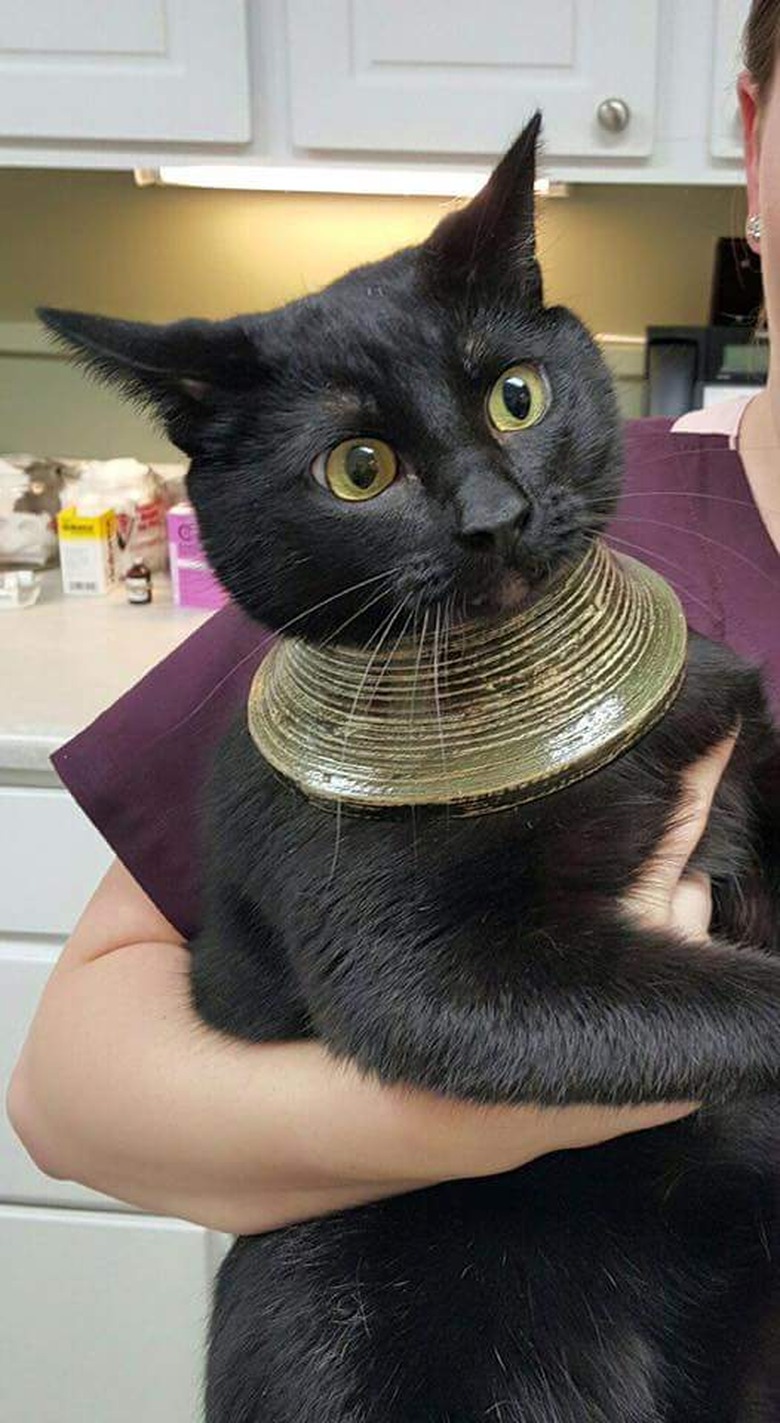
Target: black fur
x=486, y=958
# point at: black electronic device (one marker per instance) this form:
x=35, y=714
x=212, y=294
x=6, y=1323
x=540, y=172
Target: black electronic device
x=737, y=290
x=674, y=362
x=688, y=367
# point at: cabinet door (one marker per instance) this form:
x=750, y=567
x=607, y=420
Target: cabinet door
x=151, y=70
x=449, y=76
x=53, y=860
x=101, y=1318
x=24, y=968
x=725, y=123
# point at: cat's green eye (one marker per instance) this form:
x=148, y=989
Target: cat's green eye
x=358, y=469
x=519, y=398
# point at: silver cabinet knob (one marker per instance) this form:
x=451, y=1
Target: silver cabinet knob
x=614, y=115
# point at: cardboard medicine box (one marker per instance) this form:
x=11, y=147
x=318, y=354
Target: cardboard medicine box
x=195, y=585
x=88, y=551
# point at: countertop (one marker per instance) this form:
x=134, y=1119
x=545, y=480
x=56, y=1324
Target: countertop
x=64, y=660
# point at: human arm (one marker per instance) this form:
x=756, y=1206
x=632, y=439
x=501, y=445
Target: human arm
x=121, y=1087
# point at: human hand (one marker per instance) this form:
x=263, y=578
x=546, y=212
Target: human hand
x=669, y=895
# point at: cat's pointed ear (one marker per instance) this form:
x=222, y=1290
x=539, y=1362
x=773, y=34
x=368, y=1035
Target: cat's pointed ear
x=492, y=240
x=174, y=370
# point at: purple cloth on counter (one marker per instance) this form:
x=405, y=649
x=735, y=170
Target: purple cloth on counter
x=138, y=770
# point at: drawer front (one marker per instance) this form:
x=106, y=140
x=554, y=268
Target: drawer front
x=52, y=860
x=24, y=969
x=102, y=1317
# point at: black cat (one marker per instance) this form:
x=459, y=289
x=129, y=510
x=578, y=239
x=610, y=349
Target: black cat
x=346, y=463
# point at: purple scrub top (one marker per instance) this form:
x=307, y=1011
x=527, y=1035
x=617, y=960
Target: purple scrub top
x=139, y=769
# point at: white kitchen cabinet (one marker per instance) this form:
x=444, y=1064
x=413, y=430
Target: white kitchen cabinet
x=53, y=859
x=103, y=1308
x=725, y=123
x=366, y=83
x=442, y=77
x=25, y=965
x=172, y=71
x=101, y=1317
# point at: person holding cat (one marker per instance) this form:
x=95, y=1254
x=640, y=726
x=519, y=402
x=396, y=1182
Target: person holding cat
x=160, y=1111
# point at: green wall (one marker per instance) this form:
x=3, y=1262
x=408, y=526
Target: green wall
x=622, y=257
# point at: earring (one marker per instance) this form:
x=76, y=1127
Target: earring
x=753, y=227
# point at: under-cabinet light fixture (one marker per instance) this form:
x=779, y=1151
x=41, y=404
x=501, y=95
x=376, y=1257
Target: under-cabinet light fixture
x=422, y=181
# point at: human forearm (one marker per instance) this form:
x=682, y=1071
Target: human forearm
x=154, y=1108
x=120, y=1086
x=123, y=1089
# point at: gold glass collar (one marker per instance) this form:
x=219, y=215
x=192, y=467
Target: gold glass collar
x=523, y=703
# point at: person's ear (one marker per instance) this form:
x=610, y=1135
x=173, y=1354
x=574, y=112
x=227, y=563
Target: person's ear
x=747, y=90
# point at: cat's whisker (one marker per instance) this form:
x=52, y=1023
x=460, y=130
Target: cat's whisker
x=463, y=616
x=381, y=626
x=290, y=562
x=392, y=651
x=436, y=696
x=417, y=668
x=713, y=452
x=447, y=627
x=417, y=601
x=255, y=648
x=437, y=703
x=670, y=562
x=385, y=629
x=716, y=543
x=404, y=604
x=448, y=612
x=353, y=587
x=676, y=455
x=382, y=631
x=651, y=553
x=681, y=494
x=336, y=846
x=379, y=633
x=357, y=614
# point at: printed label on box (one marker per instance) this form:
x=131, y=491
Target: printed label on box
x=87, y=551
x=195, y=585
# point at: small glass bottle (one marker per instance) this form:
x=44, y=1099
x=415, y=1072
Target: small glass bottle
x=138, y=582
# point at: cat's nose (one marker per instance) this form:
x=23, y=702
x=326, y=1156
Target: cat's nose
x=492, y=519
x=484, y=536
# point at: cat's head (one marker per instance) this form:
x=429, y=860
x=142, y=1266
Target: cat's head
x=422, y=435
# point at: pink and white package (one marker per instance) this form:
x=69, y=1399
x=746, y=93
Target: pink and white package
x=195, y=585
